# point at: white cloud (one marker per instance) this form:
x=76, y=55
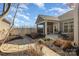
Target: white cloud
x=57, y=11
x=20, y=14
x=24, y=16
x=40, y=5
x=20, y=10
x=13, y=8
x=23, y=6
x=35, y=17
x=9, y=16
x=18, y=22
x=28, y=14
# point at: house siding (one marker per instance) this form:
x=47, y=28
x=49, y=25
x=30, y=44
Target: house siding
x=67, y=15
x=3, y=29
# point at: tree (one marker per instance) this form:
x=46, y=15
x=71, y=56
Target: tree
x=6, y=36
x=6, y=8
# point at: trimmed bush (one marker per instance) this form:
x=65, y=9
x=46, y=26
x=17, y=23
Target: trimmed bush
x=35, y=35
x=63, y=43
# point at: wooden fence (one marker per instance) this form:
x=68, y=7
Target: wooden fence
x=23, y=31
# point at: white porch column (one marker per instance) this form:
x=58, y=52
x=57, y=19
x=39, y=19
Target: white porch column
x=76, y=24
x=58, y=26
x=46, y=28
x=53, y=28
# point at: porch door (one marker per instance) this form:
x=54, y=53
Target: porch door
x=55, y=29
x=50, y=29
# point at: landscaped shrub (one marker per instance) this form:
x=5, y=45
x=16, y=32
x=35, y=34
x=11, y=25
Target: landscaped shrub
x=67, y=44
x=36, y=50
x=40, y=41
x=28, y=35
x=32, y=51
x=57, y=43
x=35, y=35
x=63, y=43
x=46, y=39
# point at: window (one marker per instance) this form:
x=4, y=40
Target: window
x=71, y=27
x=40, y=28
x=68, y=27
x=55, y=28
x=65, y=27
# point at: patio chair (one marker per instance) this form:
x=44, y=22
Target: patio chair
x=65, y=36
x=60, y=34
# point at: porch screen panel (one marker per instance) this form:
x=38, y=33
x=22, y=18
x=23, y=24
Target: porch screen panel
x=65, y=27
x=71, y=27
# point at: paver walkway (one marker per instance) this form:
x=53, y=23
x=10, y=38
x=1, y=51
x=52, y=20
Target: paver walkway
x=52, y=36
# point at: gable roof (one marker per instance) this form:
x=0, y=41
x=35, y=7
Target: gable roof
x=45, y=17
x=7, y=21
x=67, y=15
x=49, y=17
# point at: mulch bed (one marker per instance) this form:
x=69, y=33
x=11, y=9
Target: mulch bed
x=35, y=35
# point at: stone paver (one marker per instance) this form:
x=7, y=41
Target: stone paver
x=52, y=36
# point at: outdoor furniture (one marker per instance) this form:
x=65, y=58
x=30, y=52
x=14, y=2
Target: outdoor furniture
x=71, y=36
x=65, y=36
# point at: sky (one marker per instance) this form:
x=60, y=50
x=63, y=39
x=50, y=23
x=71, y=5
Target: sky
x=28, y=13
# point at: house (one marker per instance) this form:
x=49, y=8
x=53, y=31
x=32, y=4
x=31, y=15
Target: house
x=66, y=23
x=4, y=27
x=52, y=24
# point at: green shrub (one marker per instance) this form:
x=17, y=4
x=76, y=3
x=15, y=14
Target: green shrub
x=46, y=39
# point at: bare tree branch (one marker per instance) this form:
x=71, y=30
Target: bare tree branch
x=6, y=37
x=4, y=13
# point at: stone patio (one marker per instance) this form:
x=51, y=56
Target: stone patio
x=52, y=36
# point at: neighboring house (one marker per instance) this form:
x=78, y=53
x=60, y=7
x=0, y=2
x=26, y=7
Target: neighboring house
x=4, y=27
